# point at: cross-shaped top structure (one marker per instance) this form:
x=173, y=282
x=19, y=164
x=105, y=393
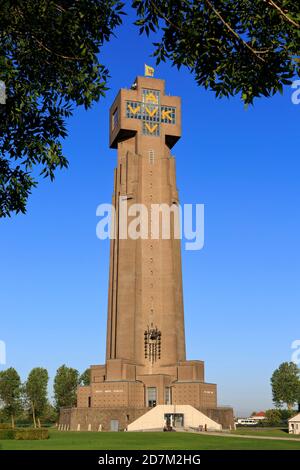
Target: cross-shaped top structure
x=146, y=110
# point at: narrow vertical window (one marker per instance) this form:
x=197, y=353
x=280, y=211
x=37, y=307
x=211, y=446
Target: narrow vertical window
x=167, y=395
x=115, y=118
x=151, y=157
x=152, y=397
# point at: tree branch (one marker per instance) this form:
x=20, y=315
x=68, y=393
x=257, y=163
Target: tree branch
x=53, y=52
x=60, y=8
x=256, y=53
x=167, y=20
x=253, y=51
x=282, y=13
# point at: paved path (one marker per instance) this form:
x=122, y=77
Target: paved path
x=247, y=436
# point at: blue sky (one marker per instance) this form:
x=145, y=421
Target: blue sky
x=241, y=291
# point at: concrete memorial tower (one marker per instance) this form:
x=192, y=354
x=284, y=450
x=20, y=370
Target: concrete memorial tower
x=146, y=363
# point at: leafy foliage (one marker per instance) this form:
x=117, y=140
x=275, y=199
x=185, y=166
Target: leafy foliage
x=287, y=414
x=85, y=378
x=65, y=386
x=10, y=392
x=31, y=434
x=7, y=434
x=36, y=392
x=273, y=417
x=247, y=47
x=5, y=425
x=286, y=385
x=49, y=415
x=24, y=434
x=49, y=63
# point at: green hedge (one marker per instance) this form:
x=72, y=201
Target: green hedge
x=7, y=434
x=5, y=425
x=24, y=434
x=31, y=434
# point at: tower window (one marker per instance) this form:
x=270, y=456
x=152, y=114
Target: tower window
x=151, y=157
x=115, y=118
x=168, y=114
x=151, y=396
x=150, y=128
x=167, y=395
x=151, y=96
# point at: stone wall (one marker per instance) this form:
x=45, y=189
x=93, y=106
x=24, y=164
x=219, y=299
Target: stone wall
x=222, y=415
x=89, y=419
x=197, y=394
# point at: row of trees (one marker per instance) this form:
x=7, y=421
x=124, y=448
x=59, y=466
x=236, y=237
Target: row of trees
x=31, y=398
x=278, y=417
x=275, y=417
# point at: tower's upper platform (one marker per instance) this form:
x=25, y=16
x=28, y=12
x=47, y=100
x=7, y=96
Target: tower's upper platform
x=145, y=109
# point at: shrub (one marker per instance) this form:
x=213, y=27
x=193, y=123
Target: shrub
x=5, y=425
x=7, y=434
x=31, y=434
x=287, y=414
x=273, y=417
x=24, y=434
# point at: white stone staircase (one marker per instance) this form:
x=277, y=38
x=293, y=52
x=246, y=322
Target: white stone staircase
x=155, y=419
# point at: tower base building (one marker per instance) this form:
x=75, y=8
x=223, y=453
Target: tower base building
x=118, y=396
x=146, y=365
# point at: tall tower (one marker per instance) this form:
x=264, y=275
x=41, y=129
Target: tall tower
x=146, y=363
x=145, y=312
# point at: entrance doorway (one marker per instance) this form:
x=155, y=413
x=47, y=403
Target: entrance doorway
x=175, y=420
x=151, y=396
x=114, y=425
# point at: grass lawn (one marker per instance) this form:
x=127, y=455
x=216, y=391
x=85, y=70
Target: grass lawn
x=145, y=441
x=270, y=432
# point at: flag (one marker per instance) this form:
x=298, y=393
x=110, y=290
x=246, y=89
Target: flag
x=149, y=71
